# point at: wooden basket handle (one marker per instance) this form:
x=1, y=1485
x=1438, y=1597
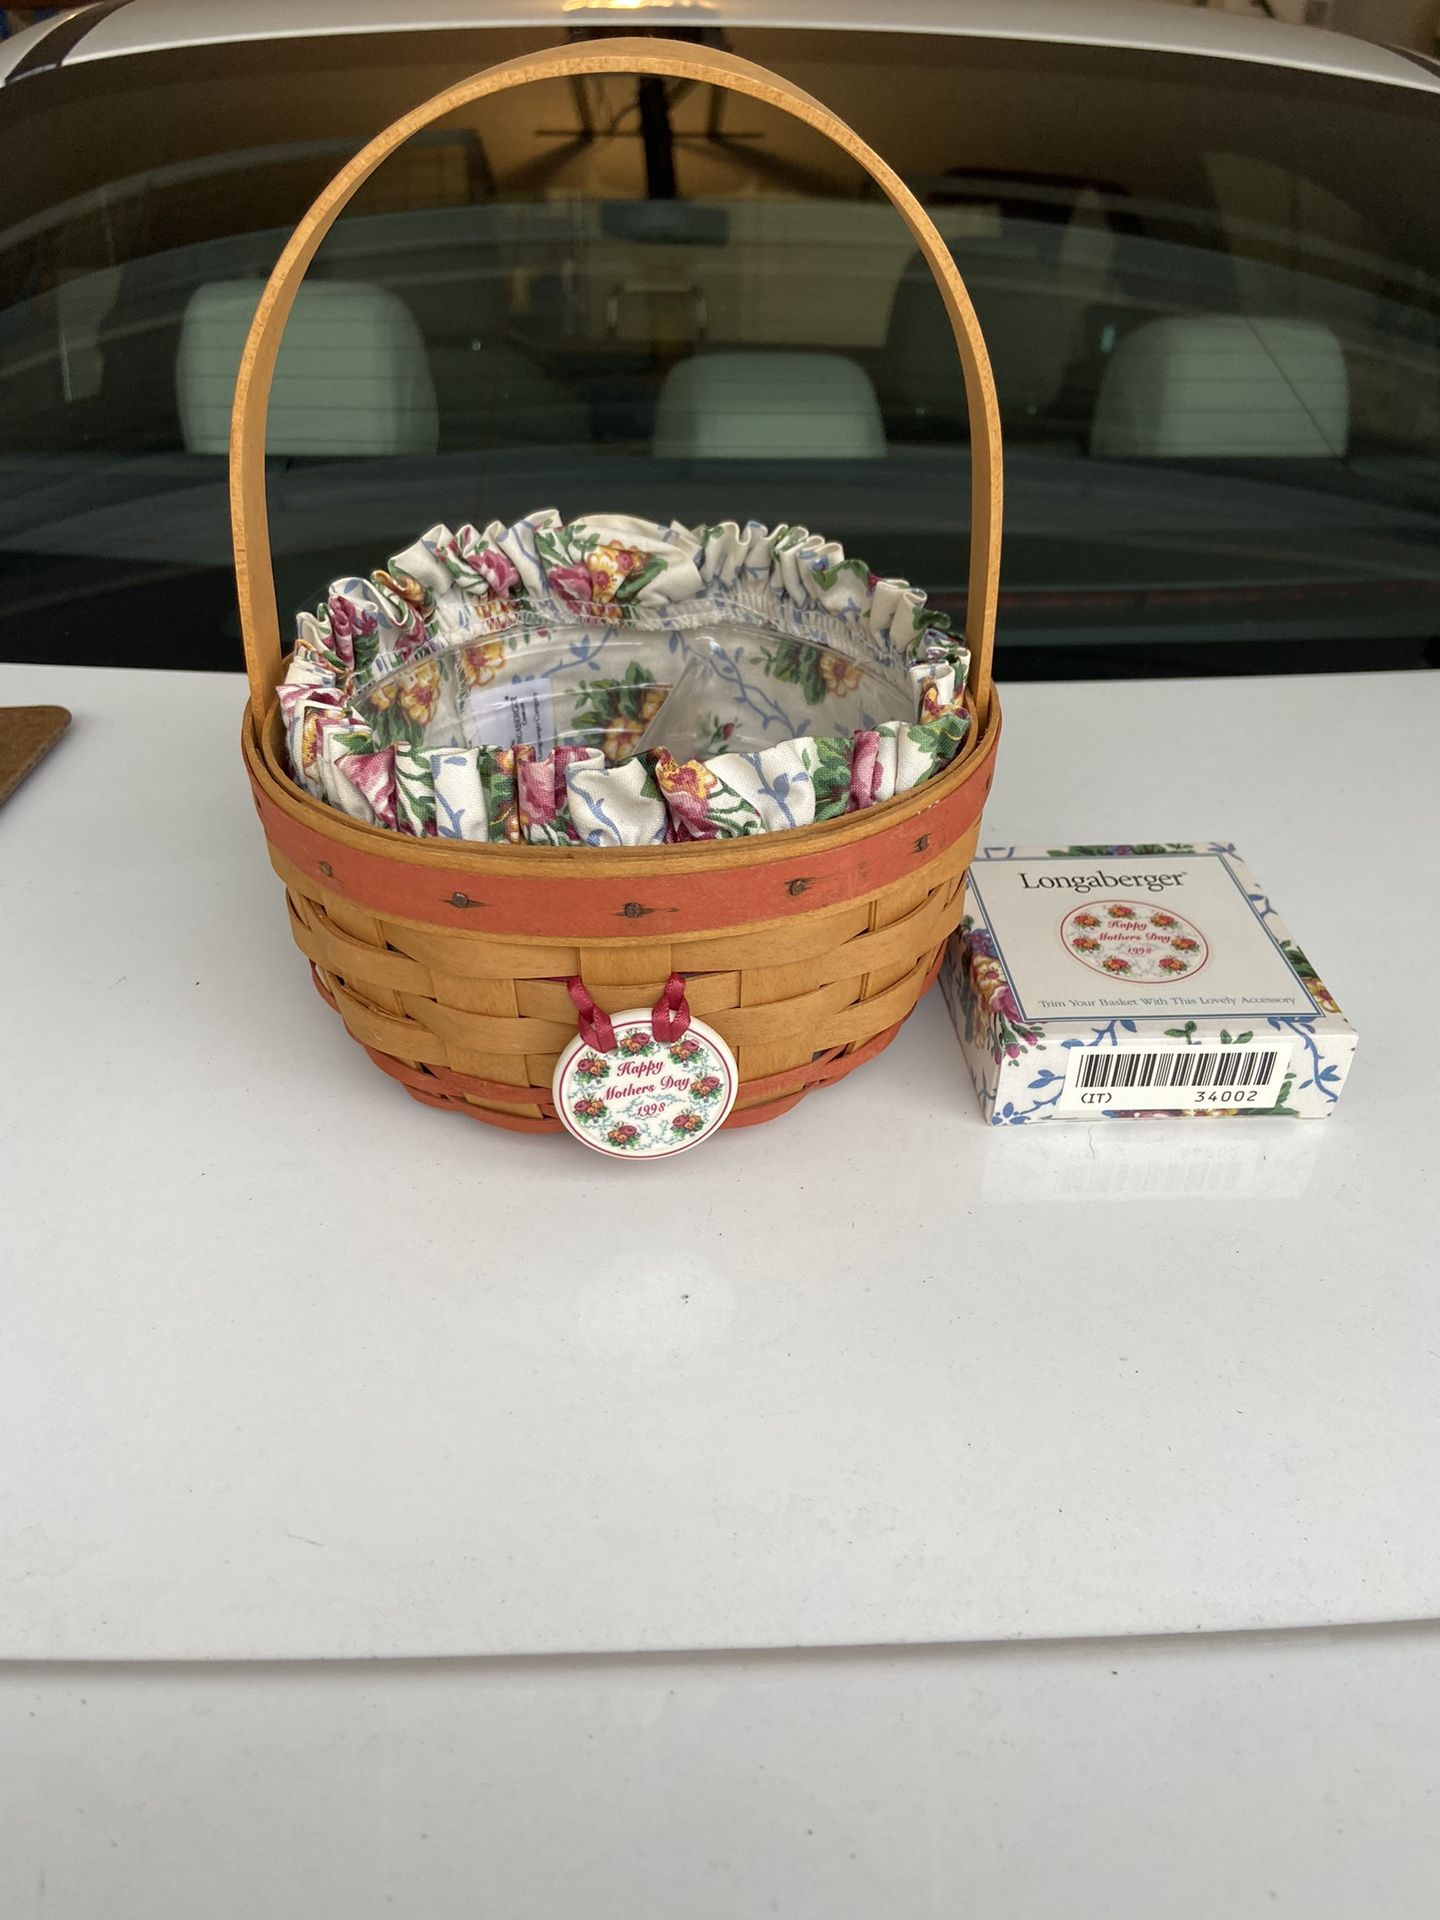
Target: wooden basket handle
x=249, y=520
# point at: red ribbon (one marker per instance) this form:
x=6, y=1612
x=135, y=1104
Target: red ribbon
x=596, y=1029
x=672, y=1011
x=669, y=1020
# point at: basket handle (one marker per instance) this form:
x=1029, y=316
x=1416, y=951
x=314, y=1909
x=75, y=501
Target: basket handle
x=249, y=519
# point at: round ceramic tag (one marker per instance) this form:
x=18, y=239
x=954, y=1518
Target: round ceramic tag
x=646, y=1098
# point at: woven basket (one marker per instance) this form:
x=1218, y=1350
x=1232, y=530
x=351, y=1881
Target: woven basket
x=448, y=960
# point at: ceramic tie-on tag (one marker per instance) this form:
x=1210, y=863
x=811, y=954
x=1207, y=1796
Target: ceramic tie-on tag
x=645, y=1083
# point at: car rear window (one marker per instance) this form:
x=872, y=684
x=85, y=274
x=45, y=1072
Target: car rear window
x=1211, y=292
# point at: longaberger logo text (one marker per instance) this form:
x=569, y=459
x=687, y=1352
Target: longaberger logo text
x=1097, y=882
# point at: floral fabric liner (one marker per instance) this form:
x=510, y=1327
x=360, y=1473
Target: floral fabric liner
x=371, y=667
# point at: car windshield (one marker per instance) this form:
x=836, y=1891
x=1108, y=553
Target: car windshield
x=1211, y=292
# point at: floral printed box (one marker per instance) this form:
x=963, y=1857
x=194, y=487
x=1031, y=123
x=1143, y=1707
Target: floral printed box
x=1135, y=983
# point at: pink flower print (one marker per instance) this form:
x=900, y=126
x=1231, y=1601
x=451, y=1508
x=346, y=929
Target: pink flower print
x=589, y=1108
x=1120, y=912
x=687, y=790
x=498, y=571
x=684, y=1051
x=349, y=623
x=412, y=636
x=1085, y=943
x=1184, y=944
x=623, y=1135
x=294, y=693
x=1087, y=919
x=687, y=1123
x=593, y=1067
x=593, y=588
x=1172, y=963
x=373, y=774
x=1163, y=920
x=541, y=789
x=1112, y=963
x=865, y=771
x=635, y=1044
x=541, y=794
x=571, y=587
x=346, y=619
x=707, y=1086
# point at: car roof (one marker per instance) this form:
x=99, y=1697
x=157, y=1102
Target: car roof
x=116, y=27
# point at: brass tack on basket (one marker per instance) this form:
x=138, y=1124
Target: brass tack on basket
x=922, y=843
x=327, y=870
x=464, y=900
x=633, y=910
x=799, y=886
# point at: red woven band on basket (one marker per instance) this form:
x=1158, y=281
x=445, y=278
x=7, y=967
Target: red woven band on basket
x=696, y=895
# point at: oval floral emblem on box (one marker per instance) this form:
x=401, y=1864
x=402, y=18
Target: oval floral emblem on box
x=1134, y=940
x=646, y=1098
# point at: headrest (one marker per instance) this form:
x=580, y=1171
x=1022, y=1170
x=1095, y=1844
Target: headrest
x=351, y=378
x=1223, y=385
x=768, y=406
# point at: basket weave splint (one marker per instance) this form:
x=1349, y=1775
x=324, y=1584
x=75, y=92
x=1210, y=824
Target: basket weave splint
x=448, y=961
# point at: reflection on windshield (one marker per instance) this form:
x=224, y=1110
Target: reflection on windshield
x=1218, y=370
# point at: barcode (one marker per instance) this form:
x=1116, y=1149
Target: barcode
x=1254, y=1068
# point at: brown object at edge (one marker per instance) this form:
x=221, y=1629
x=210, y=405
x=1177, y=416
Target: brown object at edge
x=26, y=735
x=447, y=959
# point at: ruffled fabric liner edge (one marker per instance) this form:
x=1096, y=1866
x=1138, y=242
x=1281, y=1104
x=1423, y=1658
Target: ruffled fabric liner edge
x=613, y=570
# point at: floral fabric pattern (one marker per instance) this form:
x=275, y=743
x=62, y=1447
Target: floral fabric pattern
x=389, y=662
